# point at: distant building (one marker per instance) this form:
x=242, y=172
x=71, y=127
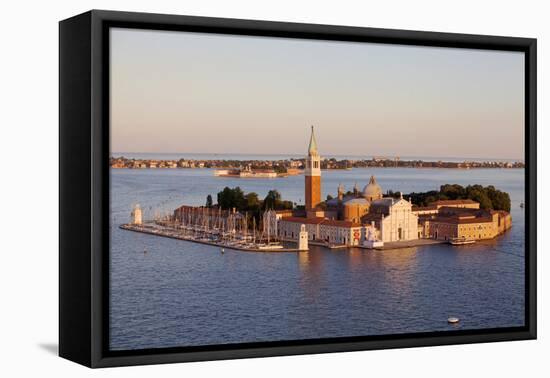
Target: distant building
x=247, y=172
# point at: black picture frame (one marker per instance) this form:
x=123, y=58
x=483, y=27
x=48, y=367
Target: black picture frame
x=84, y=186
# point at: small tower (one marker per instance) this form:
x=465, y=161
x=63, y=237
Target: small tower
x=302, y=243
x=313, y=174
x=341, y=192
x=136, y=215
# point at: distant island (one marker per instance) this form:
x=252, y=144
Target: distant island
x=295, y=165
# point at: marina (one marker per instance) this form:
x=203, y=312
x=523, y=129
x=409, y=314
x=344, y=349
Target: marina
x=166, y=229
x=212, y=239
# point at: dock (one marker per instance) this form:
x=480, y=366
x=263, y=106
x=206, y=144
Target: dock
x=153, y=229
x=410, y=243
x=158, y=230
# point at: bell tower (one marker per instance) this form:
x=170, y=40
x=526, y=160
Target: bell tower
x=313, y=174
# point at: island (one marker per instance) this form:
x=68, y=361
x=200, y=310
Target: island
x=357, y=218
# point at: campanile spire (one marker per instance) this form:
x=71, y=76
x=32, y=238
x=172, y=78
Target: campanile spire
x=312, y=150
x=313, y=174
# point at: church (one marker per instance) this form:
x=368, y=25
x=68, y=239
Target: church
x=356, y=218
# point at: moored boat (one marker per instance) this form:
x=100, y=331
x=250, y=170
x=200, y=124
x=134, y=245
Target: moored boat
x=461, y=241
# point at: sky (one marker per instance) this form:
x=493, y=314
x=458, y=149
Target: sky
x=181, y=92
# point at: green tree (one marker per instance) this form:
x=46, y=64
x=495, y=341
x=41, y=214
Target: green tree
x=272, y=199
x=209, y=201
x=231, y=198
x=488, y=197
x=285, y=205
x=452, y=192
x=482, y=198
x=500, y=200
x=252, y=201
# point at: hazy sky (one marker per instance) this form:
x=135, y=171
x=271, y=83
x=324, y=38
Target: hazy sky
x=210, y=93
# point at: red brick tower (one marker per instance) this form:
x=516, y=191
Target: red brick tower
x=313, y=174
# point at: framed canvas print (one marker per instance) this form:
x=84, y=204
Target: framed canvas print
x=234, y=188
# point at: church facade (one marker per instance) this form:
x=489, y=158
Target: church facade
x=393, y=219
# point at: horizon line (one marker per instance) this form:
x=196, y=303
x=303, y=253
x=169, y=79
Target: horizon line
x=364, y=156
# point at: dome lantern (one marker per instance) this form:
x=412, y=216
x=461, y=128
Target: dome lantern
x=372, y=190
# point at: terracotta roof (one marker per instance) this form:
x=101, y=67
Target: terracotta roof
x=369, y=217
x=502, y=213
x=460, y=210
x=423, y=208
x=455, y=220
x=304, y=220
x=454, y=202
x=356, y=201
x=188, y=207
x=286, y=211
x=340, y=223
x=323, y=221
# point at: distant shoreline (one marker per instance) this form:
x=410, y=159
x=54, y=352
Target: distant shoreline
x=121, y=162
x=290, y=156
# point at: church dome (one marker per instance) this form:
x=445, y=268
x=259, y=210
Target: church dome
x=372, y=190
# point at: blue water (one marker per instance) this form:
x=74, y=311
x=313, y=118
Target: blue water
x=186, y=294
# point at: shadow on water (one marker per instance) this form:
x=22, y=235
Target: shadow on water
x=51, y=348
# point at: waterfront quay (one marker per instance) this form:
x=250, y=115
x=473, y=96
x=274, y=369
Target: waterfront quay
x=169, y=231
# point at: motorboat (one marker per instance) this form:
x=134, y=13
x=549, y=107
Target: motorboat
x=453, y=320
x=461, y=241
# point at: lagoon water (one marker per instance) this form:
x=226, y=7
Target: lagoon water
x=185, y=294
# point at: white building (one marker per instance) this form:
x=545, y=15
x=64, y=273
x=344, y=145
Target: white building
x=322, y=230
x=394, y=219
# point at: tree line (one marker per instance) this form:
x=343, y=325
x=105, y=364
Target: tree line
x=489, y=197
x=236, y=198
